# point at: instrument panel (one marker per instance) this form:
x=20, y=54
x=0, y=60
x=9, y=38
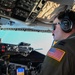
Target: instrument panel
x=19, y=59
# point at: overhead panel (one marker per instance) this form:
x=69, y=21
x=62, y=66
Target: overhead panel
x=28, y=15
x=24, y=10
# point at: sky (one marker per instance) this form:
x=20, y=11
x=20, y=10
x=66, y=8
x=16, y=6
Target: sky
x=40, y=41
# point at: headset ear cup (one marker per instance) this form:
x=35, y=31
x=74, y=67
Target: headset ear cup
x=66, y=25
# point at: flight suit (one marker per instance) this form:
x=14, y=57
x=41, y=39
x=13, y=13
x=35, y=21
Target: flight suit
x=60, y=59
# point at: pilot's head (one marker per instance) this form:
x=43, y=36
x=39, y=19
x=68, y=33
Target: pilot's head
x=63, y=25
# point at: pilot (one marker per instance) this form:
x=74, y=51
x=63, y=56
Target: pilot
x=60, y=59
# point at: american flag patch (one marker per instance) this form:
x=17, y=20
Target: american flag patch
x=56, y=54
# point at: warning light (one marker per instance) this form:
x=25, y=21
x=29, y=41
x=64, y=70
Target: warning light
x=2, y=50
x=3, y=46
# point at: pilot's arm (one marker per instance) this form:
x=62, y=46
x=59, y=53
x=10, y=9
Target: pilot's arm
x=59, y=60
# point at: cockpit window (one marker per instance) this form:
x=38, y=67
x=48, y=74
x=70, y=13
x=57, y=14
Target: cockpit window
x=38, y=40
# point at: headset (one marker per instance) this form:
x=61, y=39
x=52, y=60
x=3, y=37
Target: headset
x=66, y=23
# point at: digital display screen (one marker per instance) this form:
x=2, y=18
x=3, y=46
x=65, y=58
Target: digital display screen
x=20, y=71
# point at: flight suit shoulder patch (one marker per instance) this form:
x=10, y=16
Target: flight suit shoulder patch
x=56, y=54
